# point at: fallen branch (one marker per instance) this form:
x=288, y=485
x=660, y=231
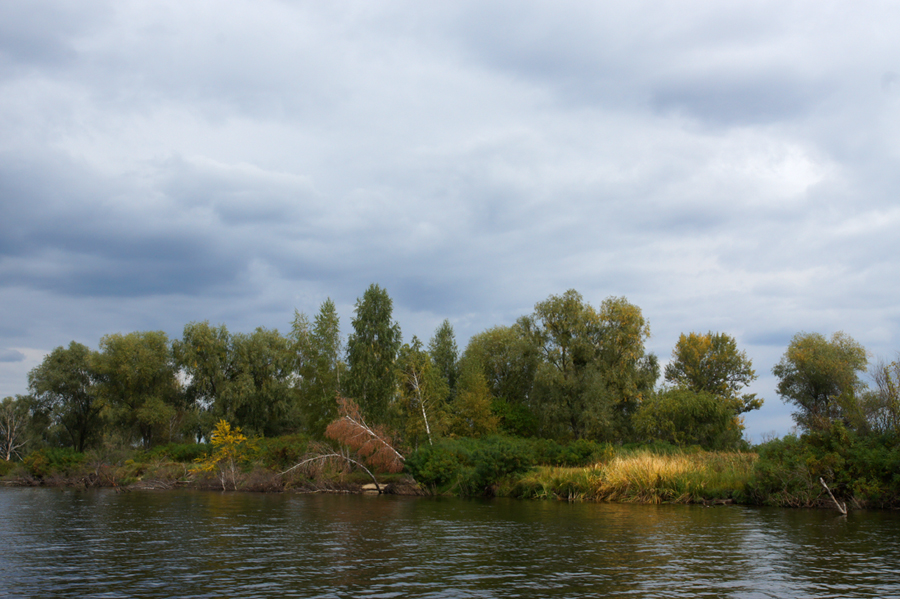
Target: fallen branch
x=334, y=455
x=842, y=507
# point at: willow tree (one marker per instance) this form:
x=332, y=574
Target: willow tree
x=711, y=363
x=821, y=378
x=138, y=386
x=64, y=388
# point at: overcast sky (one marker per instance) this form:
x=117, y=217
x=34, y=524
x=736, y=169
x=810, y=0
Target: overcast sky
x=726, y=166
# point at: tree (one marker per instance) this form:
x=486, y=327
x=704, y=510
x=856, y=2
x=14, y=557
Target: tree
x=470, y=410
x=594, y=372
x=14, y=416
x=138, y=385
x=882, y=405
x=261, y=396
x=423, y=394
x=230, y=447
x=507, y=359
x=64, y=387
x=318, y=350
x=711, y=363
x=445, y=355
x=685, y=417
x=372, y=352
x=628, y=373
x=374, y=444
x=821, y=378
x=204, y=355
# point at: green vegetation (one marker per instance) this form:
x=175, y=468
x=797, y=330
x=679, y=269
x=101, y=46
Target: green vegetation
x=564, y=403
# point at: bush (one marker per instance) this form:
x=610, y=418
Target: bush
x=280, y=453
x=861, y=468
x=53, y=460
x=180, y=452
x=472, y=465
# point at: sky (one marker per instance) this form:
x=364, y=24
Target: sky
x=728, y=167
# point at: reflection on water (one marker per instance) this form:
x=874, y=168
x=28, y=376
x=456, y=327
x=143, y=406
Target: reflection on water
x=199, y=544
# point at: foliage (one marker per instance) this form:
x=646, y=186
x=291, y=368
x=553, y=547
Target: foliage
x=247, y=379
x=138, y=387
x=508, y=360
x=52, y=460
x=593, y=371
x=372, y=353
x=203, y=354
x=63, y=386
x=278, y=453
x=685, y=417
x=445, y=355
x=230, y=448
x=423, y=395
x=821, y=378
x=711, y=363
x=471, y=413
x=472, y=467
x=881, y=406
x=14, y=420
x=864, y=469
x=318, y=351
x=180, y=452
x=373, y=443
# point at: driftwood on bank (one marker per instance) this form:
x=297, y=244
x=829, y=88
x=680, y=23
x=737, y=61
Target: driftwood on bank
x=842, y=507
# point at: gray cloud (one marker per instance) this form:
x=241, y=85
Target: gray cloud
x=725, y=167
x=11, y=355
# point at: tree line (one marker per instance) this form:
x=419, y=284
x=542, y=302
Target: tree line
x=567, y=371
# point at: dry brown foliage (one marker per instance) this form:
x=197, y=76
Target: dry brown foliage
x=373, y=443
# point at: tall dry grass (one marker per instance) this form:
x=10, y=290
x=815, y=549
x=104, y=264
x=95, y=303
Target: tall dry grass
x=643, y=477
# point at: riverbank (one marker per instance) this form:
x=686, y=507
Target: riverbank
x=786, y=472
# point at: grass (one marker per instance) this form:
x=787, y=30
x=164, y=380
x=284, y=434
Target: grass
x=642, y=477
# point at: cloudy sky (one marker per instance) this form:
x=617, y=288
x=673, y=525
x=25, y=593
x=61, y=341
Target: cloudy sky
x=725, y=166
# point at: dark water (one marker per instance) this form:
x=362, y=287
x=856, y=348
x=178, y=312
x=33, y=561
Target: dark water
x=197, y=544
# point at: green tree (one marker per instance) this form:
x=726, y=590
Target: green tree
x=138, y=386
x=882, y=405
x=685, y=417
x=318, y=349
x=821, y=378
x=423, y=394
x=64, y=388
x=261, y=395
x=567, y=330
x=627, y=372
x=711, y=363
x=372, y=353
x=470, y=410
x=445, y=355
x=508, y=360
x=594, y=371
x=204, y=355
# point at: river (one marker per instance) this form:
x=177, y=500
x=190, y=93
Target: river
x=97, y=543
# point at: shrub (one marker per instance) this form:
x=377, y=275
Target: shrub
x=280, y=453
x=180, y=452
x=52, y=460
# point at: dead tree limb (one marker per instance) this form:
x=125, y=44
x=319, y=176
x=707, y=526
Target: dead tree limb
x=334, y=455
x=842, y=507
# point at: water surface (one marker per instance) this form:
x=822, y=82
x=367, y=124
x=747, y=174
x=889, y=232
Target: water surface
x=97, y=543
